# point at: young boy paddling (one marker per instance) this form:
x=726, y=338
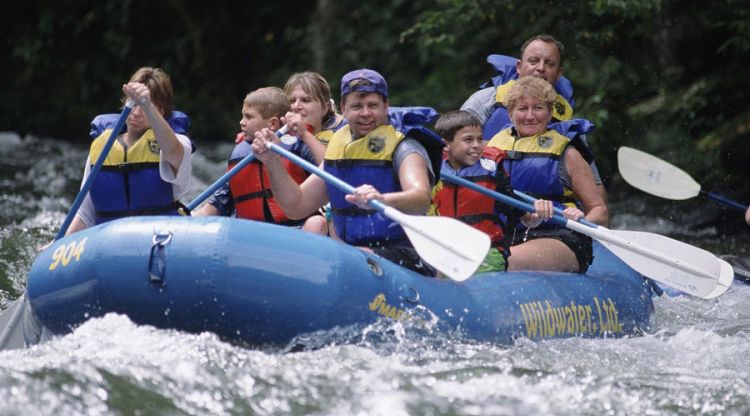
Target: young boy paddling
x=248, y=194
x=468, y=158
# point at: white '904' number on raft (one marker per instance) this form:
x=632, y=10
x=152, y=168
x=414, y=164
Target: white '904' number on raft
x=64, y=254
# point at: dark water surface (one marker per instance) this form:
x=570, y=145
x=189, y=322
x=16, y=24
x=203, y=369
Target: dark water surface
x=695, y=361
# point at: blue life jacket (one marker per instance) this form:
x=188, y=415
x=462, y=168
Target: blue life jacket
x=413, y=121
x=505, y=66
x=369, y=160
x=575, y=130
x=532, y=163
x=129, y=183
x=330, y=126
x=179, y=121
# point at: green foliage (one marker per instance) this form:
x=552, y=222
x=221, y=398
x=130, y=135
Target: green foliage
x=665, y=76
x=645, y=72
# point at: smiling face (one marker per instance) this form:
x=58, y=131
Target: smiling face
x=530, y=115
x=364, y=111
x=311, y=110
x=466, y=147
x=540, y=59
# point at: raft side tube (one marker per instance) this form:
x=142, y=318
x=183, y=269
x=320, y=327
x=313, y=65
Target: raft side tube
x=259, y=283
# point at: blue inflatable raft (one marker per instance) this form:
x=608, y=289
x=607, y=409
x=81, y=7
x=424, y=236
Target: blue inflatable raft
x=260, y=284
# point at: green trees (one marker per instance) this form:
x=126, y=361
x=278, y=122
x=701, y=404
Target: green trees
x=665, y=76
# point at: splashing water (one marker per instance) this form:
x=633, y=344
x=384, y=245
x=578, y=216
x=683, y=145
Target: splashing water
x=696, y=360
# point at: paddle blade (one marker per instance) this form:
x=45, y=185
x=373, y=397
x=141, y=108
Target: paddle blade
x=655, y=176
x=452, y=247
x=725, y=280
x=684, y=267
x=11, y=325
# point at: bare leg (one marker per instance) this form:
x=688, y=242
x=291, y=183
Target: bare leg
x=316, y=224
x=542, y=254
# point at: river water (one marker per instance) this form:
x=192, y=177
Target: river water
x=696, y=359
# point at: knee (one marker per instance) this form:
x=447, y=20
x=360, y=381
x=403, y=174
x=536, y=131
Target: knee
x=316, y=224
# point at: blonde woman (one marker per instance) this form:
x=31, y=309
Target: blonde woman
x=542, y=162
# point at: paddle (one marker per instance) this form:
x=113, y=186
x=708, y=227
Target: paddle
x=741, y=266
x=228, y=175
x=657, y=177
x=690, y=269
x=10, y=319
x=452, y=247
x=724, y=282
x=530, y=199
x=95, y=169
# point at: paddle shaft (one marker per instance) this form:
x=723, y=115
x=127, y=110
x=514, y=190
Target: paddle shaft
x=18, y=305
x=597, y=232
x=250, y=158
x=452, y=247
x=16, y=310
x=726, y=201
x=219, y=182
x=95, y=169
x=338, y=183
x=658, y=177
x=656, y=288
x=530, y=199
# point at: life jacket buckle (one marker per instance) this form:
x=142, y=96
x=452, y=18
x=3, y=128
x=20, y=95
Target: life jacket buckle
x=514, y=155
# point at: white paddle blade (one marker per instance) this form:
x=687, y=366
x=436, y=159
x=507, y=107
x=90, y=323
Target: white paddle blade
x=684, y=267
x=655, y=176
x=452, y=247
x=725, y=280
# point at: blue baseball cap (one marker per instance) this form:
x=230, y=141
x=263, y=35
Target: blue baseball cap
x=363, y=80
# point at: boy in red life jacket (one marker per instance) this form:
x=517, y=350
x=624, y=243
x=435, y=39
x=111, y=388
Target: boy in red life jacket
x=248, y=194
x=468, y=158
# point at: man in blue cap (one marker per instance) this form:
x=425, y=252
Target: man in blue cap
x=381, y=162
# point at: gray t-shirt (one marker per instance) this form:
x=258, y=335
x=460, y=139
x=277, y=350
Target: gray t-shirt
x=481, y=103
x=407, y=147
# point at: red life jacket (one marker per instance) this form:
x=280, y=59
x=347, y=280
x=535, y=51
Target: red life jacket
x=469, y=206
x=251, y=189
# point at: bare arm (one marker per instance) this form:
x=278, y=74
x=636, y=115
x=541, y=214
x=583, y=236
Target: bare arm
x=297, y=201
x=171, y=148
x=415, y=195
x=298, y=127
x=206, y=210
x=316, y=146
x=76, y=225
x=584, y=186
